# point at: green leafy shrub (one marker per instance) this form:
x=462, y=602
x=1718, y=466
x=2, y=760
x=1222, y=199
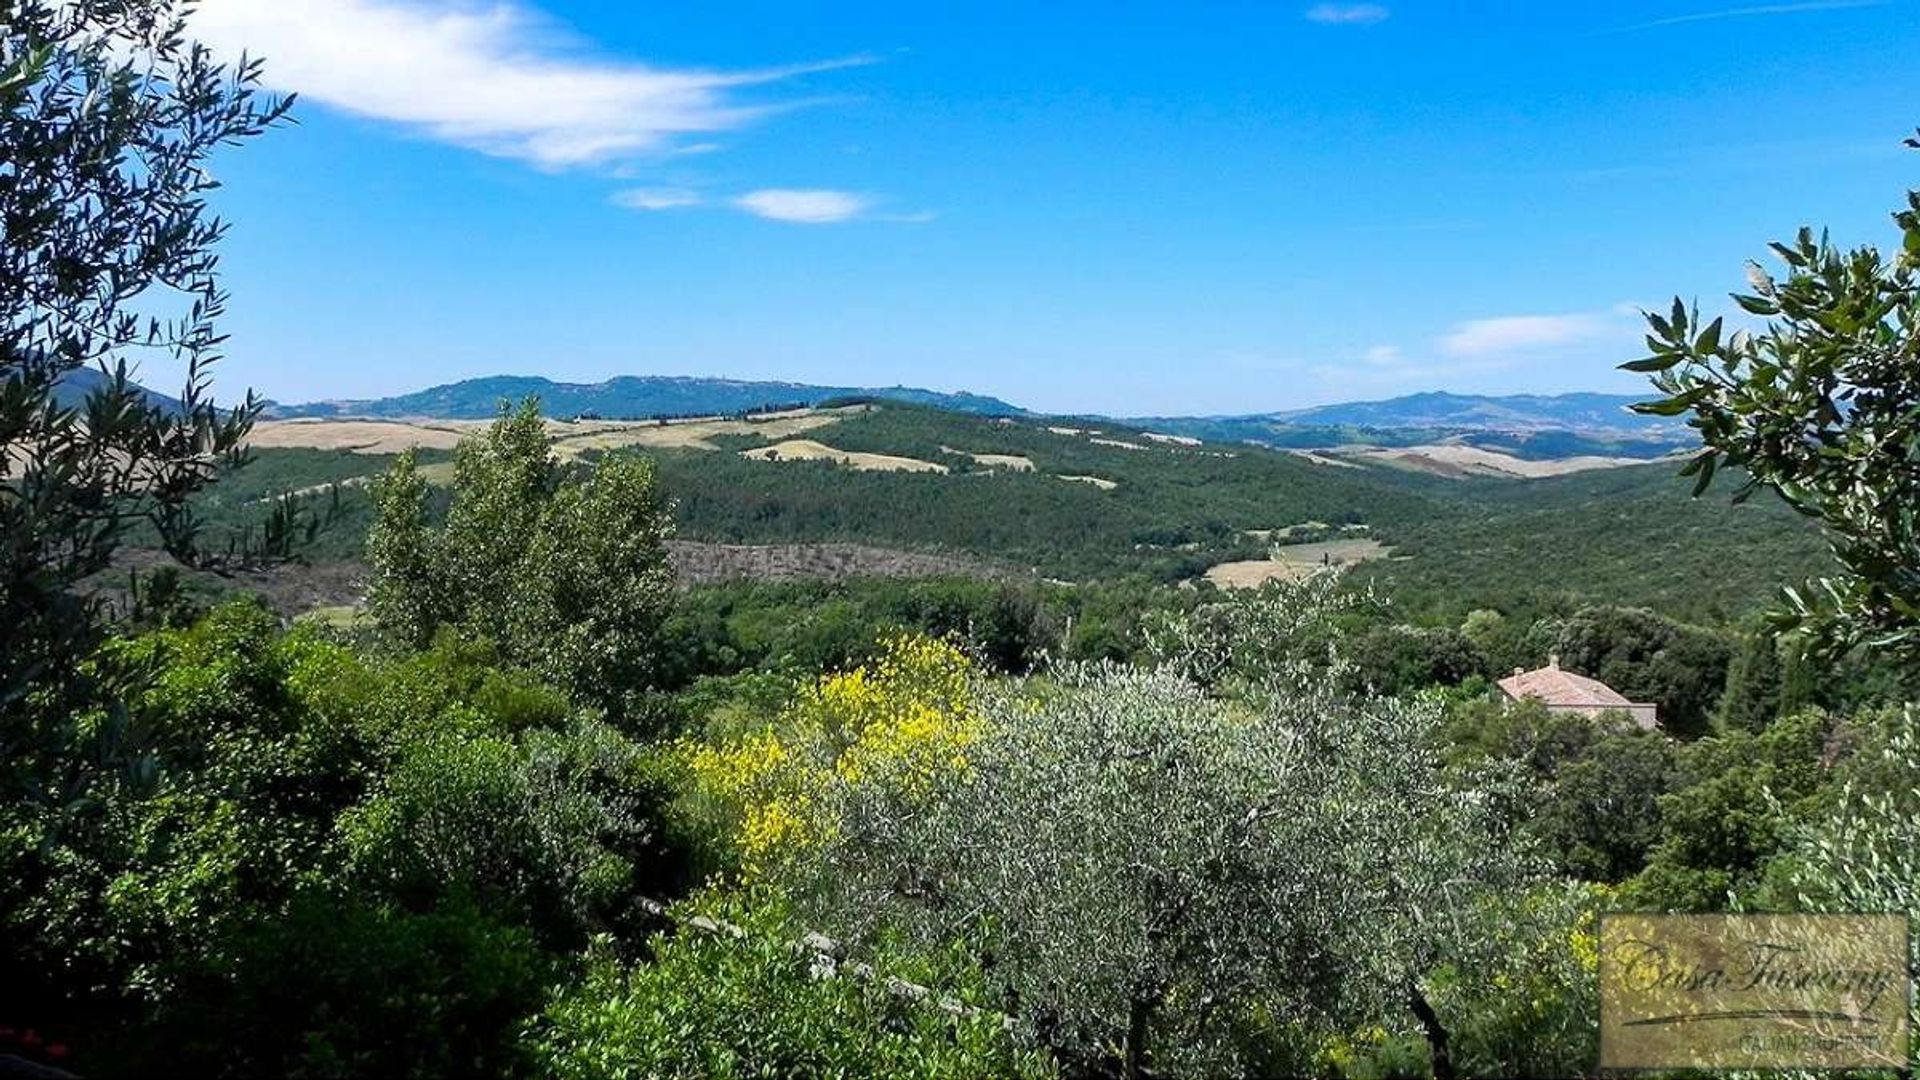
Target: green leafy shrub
x=1649, y=657
x=745, y=1001
x=1819, y=408
x=1739, y=798
x=430, y=803
x=1526, y=1003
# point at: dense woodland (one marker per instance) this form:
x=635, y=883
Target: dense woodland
x=1628, y=536
x=538, y=811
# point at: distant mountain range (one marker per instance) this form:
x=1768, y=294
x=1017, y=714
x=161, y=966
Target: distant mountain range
x=629, y=397
x=1526, y=425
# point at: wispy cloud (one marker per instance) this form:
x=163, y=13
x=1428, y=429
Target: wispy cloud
x=1383, y=367
x=803, y=206
x=1757, y=11
x=1490, y=351
x=1516, y=333
x=1512, y=334
x=496, y=78
x=1347, y=14
x=656, y=198
x=806, y=206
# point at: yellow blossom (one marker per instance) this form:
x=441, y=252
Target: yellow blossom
x=904, y=721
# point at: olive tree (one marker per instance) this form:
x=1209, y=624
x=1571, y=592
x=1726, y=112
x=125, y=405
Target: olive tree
x=1144, y=868
x=1863, y=855
x=564, y=568
x=1283, y=639
x=1819, y=406
x=108, y=115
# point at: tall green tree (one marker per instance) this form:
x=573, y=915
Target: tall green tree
x=1820, y=407
x=563, y=567
x=108, y=115
x=1754, y=685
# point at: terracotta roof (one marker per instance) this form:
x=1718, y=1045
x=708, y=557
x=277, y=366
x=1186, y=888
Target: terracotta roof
x=1555, y=686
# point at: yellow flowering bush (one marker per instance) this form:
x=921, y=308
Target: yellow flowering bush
x=904, y=720
x=760, y=781
x=1528, y=1003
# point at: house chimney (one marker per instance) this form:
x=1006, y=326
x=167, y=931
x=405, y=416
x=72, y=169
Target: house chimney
x=1553, y=661
x=1519, y=671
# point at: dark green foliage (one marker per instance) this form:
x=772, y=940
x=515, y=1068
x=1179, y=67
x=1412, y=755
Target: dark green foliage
x=1403, y=659
x=1624, y=536
x=460, y=815
x=1526, y=1006
x=336, y=986
x=1820, y=408
x=1506, y=643
x=1600, y=781
x=1649, y=658
x=1754, y=683
x=1603, y=811
x=340, y=480
x=1739, y=796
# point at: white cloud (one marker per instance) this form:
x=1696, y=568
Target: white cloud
x=805, y=206
x=1347, y=14
x=656, y=198
x=495, y=77
x=1511, y=334
x=1383, y=355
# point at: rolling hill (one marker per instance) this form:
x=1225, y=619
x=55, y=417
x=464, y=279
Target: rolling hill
x=1595, y=413
x=914, y=487
x=77, y=384
x=1530, y=427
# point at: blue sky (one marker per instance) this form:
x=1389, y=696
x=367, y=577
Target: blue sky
x=1117, y=207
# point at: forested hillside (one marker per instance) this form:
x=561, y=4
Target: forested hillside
x=1170, y=511
x=1020, y=496
x=1630, y=536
